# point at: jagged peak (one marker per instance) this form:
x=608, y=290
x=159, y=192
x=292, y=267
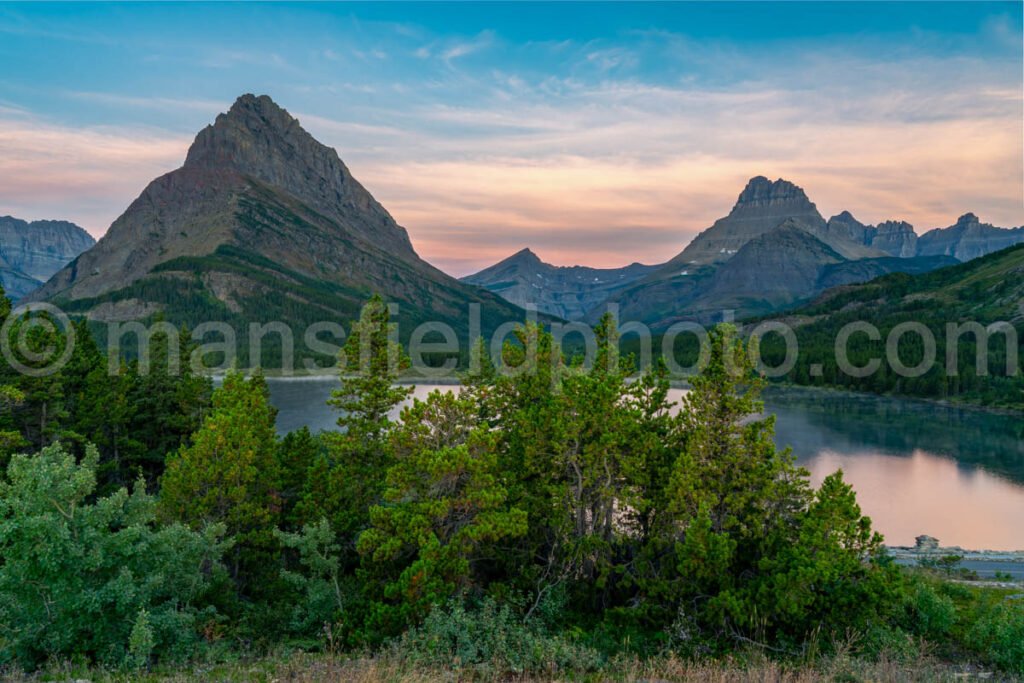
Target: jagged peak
x=847, y=218
x=761, y=190
x=893, y=225
x=967, y=218
x=524, y=255
x=240, y=136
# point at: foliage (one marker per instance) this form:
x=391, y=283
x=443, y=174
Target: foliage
x=348, y=479
x=444, y=509
x=95, y=577
x=556, y=514
x=490, y=641
x=229, y=476
x=319, y=581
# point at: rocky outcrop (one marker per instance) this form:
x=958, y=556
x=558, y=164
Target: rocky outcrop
x=263, y=207
x=568, y=292
x=847, y=227
x=896, y=238
x=31, y=252
x=967, y=239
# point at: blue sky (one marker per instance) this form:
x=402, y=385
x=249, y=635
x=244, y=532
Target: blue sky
x=594, y=133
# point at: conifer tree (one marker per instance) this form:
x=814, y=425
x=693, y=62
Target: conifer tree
x=229, y=475
x=349, y=477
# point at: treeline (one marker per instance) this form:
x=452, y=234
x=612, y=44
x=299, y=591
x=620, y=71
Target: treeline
x=546, y=517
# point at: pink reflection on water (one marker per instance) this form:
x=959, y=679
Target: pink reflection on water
x=907, y=496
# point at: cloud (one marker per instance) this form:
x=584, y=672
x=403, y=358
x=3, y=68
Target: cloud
x=119, y=100
x=86, y=175
x=462, y=48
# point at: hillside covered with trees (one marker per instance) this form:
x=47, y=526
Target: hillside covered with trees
x=970, y=297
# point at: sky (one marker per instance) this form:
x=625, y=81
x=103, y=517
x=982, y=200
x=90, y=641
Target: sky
x=596, y=134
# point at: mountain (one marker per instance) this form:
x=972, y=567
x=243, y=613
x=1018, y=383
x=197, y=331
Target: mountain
x=768, y=272
x=762, y=206
x=567, y=292
x=895, y=238
x=967, y=239
x=31, y=252
x=985, y=290
x=786, y=266
x=772, y=251
x=261, y=223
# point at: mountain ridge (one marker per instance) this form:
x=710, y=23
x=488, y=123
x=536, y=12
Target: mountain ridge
x=31, y=252
x=568, y=292
x=699, y=282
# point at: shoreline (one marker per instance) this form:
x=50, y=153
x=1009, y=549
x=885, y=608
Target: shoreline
x=325, y=374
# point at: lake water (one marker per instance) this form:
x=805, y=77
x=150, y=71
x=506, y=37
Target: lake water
x=918, y=468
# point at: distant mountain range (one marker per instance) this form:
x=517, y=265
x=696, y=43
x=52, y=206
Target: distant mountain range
x=262, y=223
x=568, y=292
x=31, y=252
x=773, y=251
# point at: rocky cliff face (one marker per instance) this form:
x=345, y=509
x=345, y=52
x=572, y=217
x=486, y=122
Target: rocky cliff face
x=31, y=252
x=261, y=223
x=968, y=239
x=895, y=238
x=259, y=140
x=567, y=292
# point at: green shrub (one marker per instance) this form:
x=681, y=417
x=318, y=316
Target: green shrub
x=998, y=635
x=94, y=578
x=931, y=614
x=490, y=641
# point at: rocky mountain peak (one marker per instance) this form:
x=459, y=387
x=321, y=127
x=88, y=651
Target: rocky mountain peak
x=31, y=252
x=259, y=140
x=967, y=219
x=763, y=192
x=525, y=255
x=252, y=128
x=894, y=227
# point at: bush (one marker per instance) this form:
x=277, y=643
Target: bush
x=931, y=615
x=998, y=635
x=490, y=641
x=94, y=578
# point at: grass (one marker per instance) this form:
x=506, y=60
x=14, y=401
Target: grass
x=302, y=668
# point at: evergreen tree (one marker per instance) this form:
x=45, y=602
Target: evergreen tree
x=76, y=571
x=229, y=475
x=345, y=482
x=444, y=509
x=168, y=401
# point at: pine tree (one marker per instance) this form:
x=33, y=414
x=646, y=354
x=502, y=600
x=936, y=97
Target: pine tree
x=443, y=510
x=343, y=485
x=229, y=475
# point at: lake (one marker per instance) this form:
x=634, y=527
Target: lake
x=918, y=468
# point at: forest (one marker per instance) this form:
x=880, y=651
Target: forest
x=548, y=519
